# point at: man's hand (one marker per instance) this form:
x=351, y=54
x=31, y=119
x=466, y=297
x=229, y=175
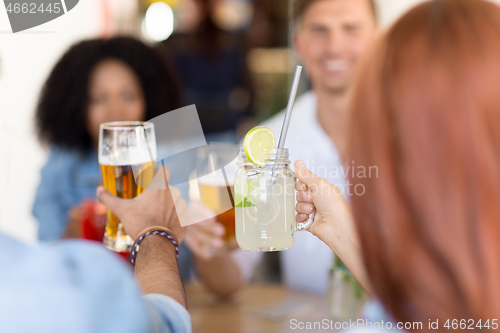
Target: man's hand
x=156, y=268
x=151, y=208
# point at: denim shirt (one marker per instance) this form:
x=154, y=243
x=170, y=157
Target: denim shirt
x=67, y=179
x=77, y=287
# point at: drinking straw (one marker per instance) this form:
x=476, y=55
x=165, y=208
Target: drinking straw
x=289, y=107
x=288, y=116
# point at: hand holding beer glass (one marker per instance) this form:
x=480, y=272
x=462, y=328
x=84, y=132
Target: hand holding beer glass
x=127, y=154
x=215, y=188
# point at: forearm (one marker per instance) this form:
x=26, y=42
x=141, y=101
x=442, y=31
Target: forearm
x=350, y=253
x=220, y=274
x=156, y=269
x=343, y=239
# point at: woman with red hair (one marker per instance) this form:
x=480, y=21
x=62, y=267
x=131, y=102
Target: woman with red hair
x=423, y=234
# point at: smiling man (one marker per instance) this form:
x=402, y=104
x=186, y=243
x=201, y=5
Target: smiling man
x=330, y=38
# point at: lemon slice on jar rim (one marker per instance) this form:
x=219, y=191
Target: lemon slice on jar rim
x=258, y=143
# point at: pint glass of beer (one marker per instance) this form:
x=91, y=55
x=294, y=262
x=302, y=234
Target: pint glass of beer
x=214, y=195
x=127, y=154
x=215, y=181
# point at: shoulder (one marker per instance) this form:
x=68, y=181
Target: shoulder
x=85, y=281
x=81, y=258
x=59, y=167
x=59, y=158
x=86, y=252
x=63, y=264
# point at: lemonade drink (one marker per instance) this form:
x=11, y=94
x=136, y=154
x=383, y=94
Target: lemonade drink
x=265, y=195
x=265, y=216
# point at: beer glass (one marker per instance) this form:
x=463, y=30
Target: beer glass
x=265, y=204
x=127, y=154
x=215, y=186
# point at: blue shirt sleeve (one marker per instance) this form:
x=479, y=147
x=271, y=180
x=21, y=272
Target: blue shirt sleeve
x=74, y=286
x=166, y=312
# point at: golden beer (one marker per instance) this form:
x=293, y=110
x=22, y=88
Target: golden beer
x=127, y=151
x=215, y=197
x=119, y=180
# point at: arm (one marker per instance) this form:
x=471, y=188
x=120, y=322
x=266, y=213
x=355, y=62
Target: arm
x=156, y=267
x=228, y=271
x=220, y=274
x=213, y=261
x=333, y=220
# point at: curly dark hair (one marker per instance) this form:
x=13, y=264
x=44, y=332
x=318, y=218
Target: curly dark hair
x=62, y=109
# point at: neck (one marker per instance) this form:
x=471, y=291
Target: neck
x=332, y=115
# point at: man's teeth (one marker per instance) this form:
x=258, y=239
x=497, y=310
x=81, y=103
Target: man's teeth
x=336, y=65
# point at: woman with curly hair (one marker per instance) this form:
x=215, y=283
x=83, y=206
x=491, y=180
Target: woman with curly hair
x=103, y=80
x=96, y=81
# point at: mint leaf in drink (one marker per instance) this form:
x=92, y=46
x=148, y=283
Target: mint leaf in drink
x=244, y=203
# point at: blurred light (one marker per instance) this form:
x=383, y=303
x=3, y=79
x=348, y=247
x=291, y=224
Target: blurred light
x=233, y=15
x=158, y=24
x=171, y=3
x=271, y=61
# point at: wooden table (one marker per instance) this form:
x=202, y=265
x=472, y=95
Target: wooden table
x=246, y=311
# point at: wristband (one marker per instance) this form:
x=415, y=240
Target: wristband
x=135, y=246
x=156, y=227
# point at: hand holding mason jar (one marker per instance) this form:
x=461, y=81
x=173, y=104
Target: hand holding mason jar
x=265, y=195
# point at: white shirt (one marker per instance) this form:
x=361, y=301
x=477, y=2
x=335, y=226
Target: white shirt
x=307, y=264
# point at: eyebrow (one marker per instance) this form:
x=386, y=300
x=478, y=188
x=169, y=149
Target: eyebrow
x=326, y=22
x=316, y=26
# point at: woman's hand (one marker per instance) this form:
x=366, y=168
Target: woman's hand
x=203, y=238
x=86, y=220
x=333, y=222
x=314, y=194
x=75, y=215
x=158, y=207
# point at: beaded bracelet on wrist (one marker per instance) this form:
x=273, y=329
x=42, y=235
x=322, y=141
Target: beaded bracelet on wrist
x=135, y=246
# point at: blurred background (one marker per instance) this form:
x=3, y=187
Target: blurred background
x=256, y=37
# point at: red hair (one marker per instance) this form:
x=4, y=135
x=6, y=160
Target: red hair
x=426, y=112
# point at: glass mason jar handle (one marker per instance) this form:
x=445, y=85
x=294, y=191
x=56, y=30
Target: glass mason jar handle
x=305, y=225
x=301, y=226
